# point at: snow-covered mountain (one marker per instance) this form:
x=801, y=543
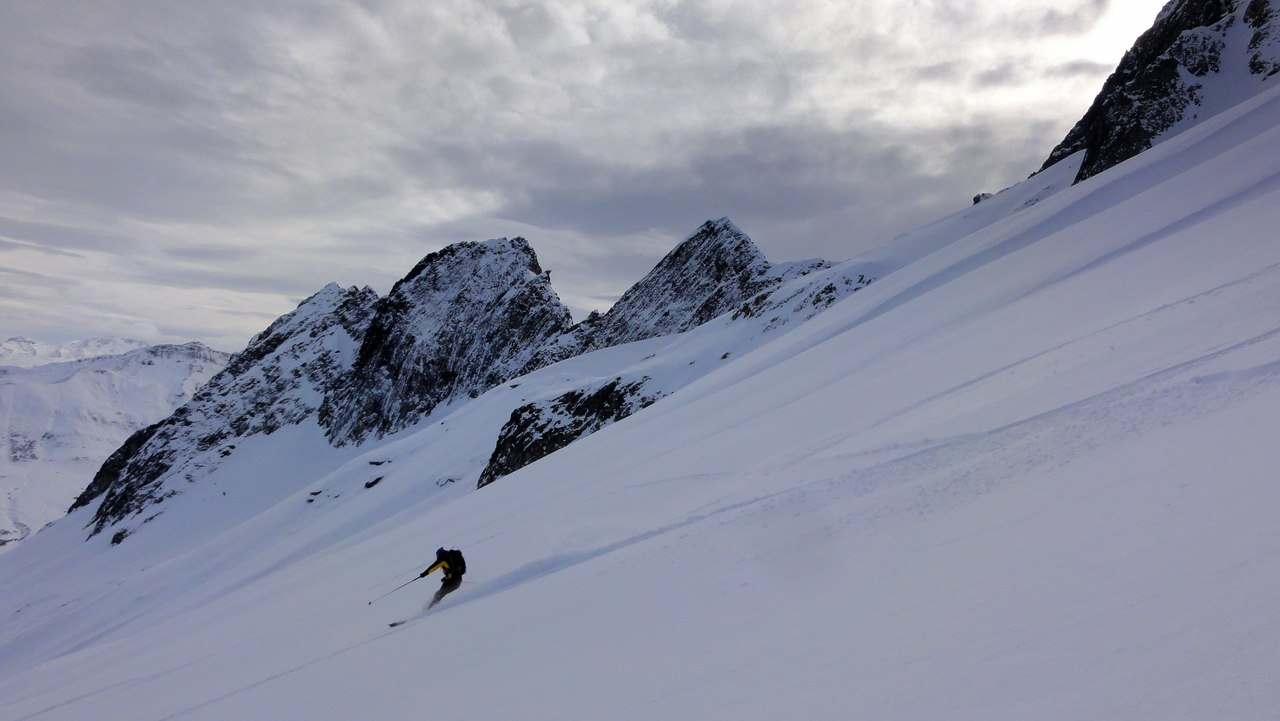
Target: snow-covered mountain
x=25, y=353
x=61, y=420
x=1200, y=58
x=1028, y=472
x=464, y=320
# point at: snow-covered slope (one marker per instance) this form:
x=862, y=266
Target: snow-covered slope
x=26, y=353
x=1027, y=474
x=62, y=420
x=1200, y=58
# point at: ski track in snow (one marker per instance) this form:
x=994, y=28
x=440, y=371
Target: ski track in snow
x=988, y=460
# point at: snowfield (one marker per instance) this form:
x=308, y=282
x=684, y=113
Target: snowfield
x=1027, y=473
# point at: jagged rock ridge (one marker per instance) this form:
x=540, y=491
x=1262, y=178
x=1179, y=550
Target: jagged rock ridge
x=718, y=271
x=277, y=380
x=464, y=320
x=710, y=273
x=1195, y=55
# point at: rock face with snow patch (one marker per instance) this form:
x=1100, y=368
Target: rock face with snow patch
x=1200, y=57
x=717, y=271
x=278, y=380
x=536, y=430
x=464, y=320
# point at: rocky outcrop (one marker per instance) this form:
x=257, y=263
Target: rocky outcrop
x=464, y=320
x=1162, y=83
x=716, y=272
x=539, y=429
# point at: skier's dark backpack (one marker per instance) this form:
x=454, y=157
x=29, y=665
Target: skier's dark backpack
x=457, y=564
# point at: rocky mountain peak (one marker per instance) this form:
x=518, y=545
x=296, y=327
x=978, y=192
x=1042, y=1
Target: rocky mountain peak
x=463, y=320
x=706, y=275
x=709, y=273
x=1199, y=58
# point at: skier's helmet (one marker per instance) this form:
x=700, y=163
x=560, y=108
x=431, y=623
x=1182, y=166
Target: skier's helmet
x=440, y=551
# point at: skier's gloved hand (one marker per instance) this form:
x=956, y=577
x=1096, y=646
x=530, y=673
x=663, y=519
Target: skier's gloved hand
x=424, y=573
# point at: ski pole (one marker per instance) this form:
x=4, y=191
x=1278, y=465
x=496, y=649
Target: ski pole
x=397, y=588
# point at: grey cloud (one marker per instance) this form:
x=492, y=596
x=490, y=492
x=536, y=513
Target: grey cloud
x=1076, y=20
x=8, y=244
x=28, y=275
x=1080, y=68
x=130, y=74
x=244, y=277
x=1006, y=74
x=55, y=237
x=349, y=138
x=942, y=72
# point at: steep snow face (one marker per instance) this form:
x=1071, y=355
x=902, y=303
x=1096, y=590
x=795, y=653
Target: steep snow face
x=280, y=379
x=61, y=420
x=1200, y=58
x=464, y=320
x=26, y=353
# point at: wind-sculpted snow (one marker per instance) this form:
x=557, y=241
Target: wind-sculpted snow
x=464, y=320
x=1200, y=58
x=278, y=380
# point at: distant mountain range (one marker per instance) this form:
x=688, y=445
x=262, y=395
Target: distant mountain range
x=25, y=353
x=62, y=419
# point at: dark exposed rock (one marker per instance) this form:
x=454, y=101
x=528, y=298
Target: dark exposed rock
x=710, y=273
x=464, y=320
x=111, y=471
x=536, y=430
x=1162, y=79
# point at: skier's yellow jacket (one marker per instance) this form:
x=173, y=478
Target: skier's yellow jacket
x=451, y=562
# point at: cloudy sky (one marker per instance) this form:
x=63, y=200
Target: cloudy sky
x=173, y=171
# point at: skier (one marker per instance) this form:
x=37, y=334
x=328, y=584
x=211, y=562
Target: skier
x=453, y=565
